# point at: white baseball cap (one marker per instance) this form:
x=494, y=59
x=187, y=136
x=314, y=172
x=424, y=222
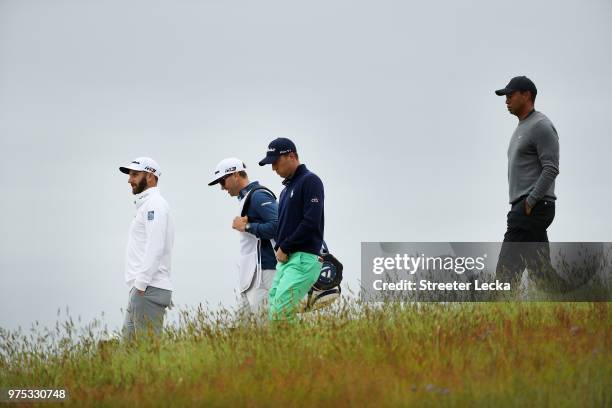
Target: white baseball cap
x=225, y=167
x=142, y=164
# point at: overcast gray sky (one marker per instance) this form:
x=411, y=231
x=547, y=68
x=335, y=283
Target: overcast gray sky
x=391, y=103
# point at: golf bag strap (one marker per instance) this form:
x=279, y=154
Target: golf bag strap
x=247, y=202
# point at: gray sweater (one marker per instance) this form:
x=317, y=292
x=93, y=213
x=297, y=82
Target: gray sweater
x=533, y=159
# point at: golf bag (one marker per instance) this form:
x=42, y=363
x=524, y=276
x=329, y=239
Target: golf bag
x=326, y=289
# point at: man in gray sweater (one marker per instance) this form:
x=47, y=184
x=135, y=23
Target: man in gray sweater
x=533, y=165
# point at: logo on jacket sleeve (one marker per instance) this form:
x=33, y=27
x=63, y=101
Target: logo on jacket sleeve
x=150, y=215
x=314, y=200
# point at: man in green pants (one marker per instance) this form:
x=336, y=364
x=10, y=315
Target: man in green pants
x=299, y=236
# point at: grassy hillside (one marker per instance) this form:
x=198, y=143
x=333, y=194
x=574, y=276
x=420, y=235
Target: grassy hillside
x=545, y=354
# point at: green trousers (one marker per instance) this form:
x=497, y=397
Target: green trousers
x=291, y=283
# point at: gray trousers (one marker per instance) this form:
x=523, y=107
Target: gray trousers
x=146, y=312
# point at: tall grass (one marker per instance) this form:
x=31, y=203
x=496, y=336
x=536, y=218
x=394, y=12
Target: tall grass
x=504, y=354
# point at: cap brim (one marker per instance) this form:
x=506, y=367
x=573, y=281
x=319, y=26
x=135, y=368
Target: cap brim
x=504, y=91
x=216, y=181
x=126, y=170
x=268, y=160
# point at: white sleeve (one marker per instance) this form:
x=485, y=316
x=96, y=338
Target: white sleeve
x=156, y=225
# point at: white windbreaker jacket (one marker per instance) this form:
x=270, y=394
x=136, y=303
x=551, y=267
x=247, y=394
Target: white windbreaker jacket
x=150, y=241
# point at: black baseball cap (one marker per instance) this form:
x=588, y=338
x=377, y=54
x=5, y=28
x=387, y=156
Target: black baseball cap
x=276, y=148
x=519, y=83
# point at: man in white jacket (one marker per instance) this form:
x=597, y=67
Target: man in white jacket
x=149, y=249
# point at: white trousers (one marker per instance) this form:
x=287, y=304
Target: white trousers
x=255, y=298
